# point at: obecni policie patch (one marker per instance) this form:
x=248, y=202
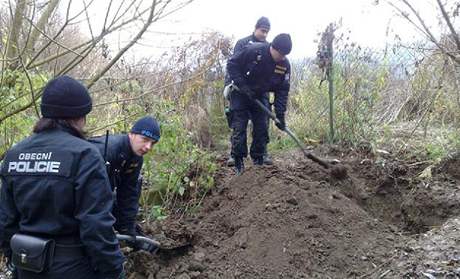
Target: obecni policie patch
x=36, y=163
x=34, y=166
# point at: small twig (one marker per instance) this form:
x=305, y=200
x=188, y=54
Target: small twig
x=420, y=163
x=31, y=86
x=112, y=123
x=385, y=273
x=378, y=267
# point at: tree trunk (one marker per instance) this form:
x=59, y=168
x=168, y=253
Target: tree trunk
x=44, y=18
x=13, y=41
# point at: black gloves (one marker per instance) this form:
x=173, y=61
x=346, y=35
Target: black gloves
x=127, y=231
x=137, y=243
x=148, y=246
x=282, y=122
x=246, y=90
x=122, y=275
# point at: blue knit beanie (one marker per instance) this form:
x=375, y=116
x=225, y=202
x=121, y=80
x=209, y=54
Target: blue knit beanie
x=148, y=127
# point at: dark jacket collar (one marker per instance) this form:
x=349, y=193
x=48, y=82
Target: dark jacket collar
x=266, y=52
x=255, y=40
x=70, y=130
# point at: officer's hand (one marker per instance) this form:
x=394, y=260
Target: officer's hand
x=130, y=232
x=10, y=265
x=122, y=275
x=127, y=231
x=281, y=123
x=11, y=268
x=227, y=91
x=146, y=246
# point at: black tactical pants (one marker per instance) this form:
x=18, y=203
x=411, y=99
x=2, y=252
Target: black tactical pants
x=259, y=132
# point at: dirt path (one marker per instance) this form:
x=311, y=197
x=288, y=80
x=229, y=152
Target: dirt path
x=292, y=220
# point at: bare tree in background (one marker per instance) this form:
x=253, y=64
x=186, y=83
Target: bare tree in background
x=36, y=46
x=447, y=12
x=441, y=29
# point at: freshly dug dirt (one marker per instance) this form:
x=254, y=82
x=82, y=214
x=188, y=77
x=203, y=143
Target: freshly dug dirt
x=295, y=220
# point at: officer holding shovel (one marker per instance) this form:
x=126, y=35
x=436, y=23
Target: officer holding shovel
x=256, y=70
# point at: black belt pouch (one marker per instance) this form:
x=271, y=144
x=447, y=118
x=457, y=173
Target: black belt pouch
x=32, y=253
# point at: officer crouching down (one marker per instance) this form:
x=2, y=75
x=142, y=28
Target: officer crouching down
x=55, y=199
x=124, y=156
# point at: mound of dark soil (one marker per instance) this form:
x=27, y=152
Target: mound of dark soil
x=295, y=220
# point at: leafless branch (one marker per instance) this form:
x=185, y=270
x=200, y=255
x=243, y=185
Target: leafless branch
x=88, y=21
x=50, y=8
x=104, y=26
x=157, y=89
x=86, y=43
x=129, y=45
x=29, y=32
x=423, y=28
x=77, y=59
x=449, y=24
x=22, y=108
x=52, y=40
x=31, y=88
x=112, y=123
x=44, y=47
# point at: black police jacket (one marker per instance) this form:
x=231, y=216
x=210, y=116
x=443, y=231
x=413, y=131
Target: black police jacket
x=240, y=44
x=254, y=67
x=54, y=185
x=124, y=170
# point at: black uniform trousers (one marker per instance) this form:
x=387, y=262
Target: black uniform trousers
x=244, y=109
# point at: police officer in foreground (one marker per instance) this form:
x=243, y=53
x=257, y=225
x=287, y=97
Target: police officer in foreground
x=124, y=156
x=258, y=36
x=55, y=198
x=257, y=70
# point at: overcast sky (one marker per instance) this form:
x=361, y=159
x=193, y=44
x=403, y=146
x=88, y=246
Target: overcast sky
x=302, y=19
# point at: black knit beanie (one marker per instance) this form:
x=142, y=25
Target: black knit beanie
x=282, y=43
x=64, y=97
x=263, y=22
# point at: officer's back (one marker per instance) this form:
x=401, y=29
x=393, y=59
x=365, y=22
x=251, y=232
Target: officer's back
x=53, y=162
x=55, y=199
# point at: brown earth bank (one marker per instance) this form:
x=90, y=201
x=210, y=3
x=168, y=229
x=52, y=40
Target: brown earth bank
x=294, y=220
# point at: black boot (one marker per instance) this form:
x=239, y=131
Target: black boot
x=259, y=161
x=239, y=166
x=267, y=159
x=231, y=161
